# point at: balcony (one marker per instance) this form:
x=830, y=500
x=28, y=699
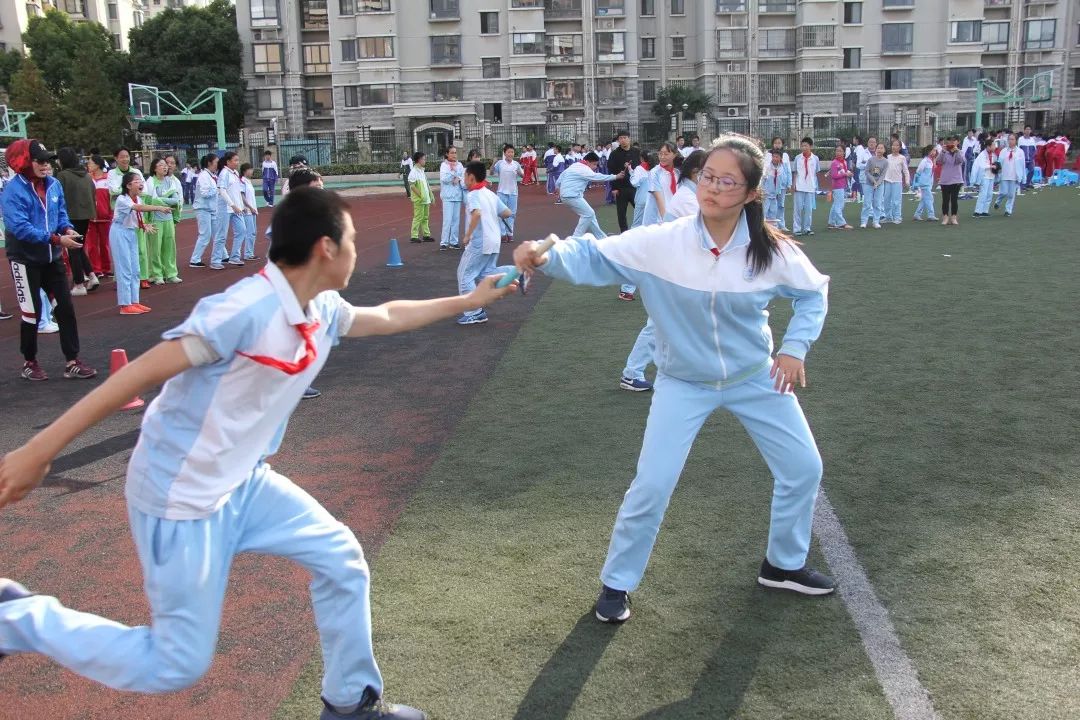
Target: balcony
x=562, y=9
x=557, y=103
x=736, y=6
x=453, y=108
x=445, y=10
x=776, y=6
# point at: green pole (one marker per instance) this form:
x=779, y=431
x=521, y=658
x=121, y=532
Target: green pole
x=219, y=119
x=979, y=104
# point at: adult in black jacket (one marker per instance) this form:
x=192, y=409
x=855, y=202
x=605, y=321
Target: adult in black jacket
x=624, y=191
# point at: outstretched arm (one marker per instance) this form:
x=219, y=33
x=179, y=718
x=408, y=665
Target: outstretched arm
x=398, y=316
x=23, y=469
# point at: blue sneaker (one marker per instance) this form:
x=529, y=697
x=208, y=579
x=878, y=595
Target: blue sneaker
x=11, y=590
x=311, y=393
x=634, y=385
x=480, y=317
x=372, y=707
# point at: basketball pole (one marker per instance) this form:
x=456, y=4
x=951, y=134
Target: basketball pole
x=16, y=128
x=216, y=95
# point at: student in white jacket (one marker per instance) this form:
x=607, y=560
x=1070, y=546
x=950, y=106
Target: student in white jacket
x=1013, y=173
x=452, y=194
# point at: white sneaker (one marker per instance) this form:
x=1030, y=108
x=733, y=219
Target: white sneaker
x=877, y=226
x=173, y=280
x=78, y=291
x=93, y=282
x=49, y=329
x=863, y=226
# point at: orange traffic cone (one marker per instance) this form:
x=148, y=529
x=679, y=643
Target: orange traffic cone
x=119, y=360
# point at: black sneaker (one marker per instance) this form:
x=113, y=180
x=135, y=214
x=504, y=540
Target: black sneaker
x=197, y=264
x=428, y=238
x=372, y=707
x=311, y=393
x=613, y=606
x=804, y=580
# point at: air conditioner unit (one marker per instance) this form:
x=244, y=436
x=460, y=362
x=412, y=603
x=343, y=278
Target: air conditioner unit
x=605, y=70
x=733, y=112
x=556, y=117
x=605, y=23
x=764, y=112
x=736, y=67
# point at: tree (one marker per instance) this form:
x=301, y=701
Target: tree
x=696, y=101
x=9, y=65
x=190, y=50
x=29, y=93
x=53, y=41
x=92, y=113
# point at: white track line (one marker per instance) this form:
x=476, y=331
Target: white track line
x=894, y=669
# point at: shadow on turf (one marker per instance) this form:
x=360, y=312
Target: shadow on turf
x=755, y=622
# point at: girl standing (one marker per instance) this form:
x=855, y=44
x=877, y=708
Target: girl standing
x=558, y=164
x=984, y=176
x=1013, y=171
x=639, y=180
x=663, y=182
x=164, y=189
x=897, y=179
x=124, y=245
x=839, y=175
x=270, y=176
x=97, y=236
x=206, y=213
x=420, y=194
x=251, y=211
x=717, y=353
x=776, y=181
x=452, y=193
x=874, y=188
x=953, y=165
x=924, y=184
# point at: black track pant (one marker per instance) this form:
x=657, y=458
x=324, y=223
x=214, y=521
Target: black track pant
x=52, y=278
x=950, y=195
x=624, y=198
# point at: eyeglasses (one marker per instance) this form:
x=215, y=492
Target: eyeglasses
x=719, y=183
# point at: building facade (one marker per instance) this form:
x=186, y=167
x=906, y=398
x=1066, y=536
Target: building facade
x=118, y=16
x=430, y=68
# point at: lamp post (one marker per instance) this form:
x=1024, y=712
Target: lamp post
x=682, y=115
x=671, y=120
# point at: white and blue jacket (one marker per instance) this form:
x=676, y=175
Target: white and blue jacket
x=30, y=223
x=776, y=179
x=709, y=308
x=447, y=189
x=575, y=179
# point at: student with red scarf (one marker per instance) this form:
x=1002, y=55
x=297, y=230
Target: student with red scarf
x=97, y=235
x=37, y=229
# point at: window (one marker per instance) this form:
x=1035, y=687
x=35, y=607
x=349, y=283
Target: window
x=444, y=10
x=853, y=13
x=610, y=47
x=267, y=57
x=136, y=19
x=117, y=42
x=817, y=36
x=319, y=101
x=1076, y=77
x=563, y=48
x=851, y=103
x=732, y=89
x=493, y=112
x=489, y=23
x=610, y=7
x=852, y=58
x=963, y=78
x=678, y=7
x=730, y=43
x=528, y=43
x=610, y=91
x=895, y=79
x=648, y=8
x=529, y=89
x=348, y=50
x=363, y=95
x=1039, y=34
x=492, y=67
x=996, y=75
x=269, y=99
x=965, y=31
x=446, y=50
x=374, y=47
x=778, y=87
x=678, y=48
x=996, y=36
x=317, y=58
x=562, y=9
x=898, y=3
x=648, y=48
x=776, y=43
x=313, y=14
x=566, y=93
x=447, y=90
x=730, y=6
x=77, y=7
x=768, y=6
x=817, y=82
x=648, y=89
x=263, y=12
x=369, y=6
x=527, y=4
x=896, y=37
x=112, y=12
x=346, y=7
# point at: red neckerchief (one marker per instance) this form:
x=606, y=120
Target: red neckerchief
x=671, y=172
x=645, y=165
x=478, y=186
x=776, y=175
x=307, y=332
x=1010, y=154
x=138, y=215
x=806, y=165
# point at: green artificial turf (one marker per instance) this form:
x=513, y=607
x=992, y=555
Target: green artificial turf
x=943, y=397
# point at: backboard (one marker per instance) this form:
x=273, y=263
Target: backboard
x=5, y=121
x=1042, y=86
x=143, y=102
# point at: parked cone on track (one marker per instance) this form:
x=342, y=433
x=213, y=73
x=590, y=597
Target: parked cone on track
x=116, y=362
x=395, y=255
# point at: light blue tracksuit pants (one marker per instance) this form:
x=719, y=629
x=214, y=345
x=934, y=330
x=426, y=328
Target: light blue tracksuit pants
x=803, y=219
x=206, y=219
x=679, y=409
x=641, y=197
x=894, y=193
x=185, y=569
x=510, y=200
x=986, y=194
x=873, y=209
x=1008, y=191
x=222, y=223
x=642, y=353
x=587, y=222
x=836, y=212
x=451, y=223
x=124, y=248
x=774, y=212
x=239, y=235
x=926, y=205
x=249, y=236
x=474, y=266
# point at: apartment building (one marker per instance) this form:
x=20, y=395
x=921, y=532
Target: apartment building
x=432, y=67
x=118, y=16
x=154, y=7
